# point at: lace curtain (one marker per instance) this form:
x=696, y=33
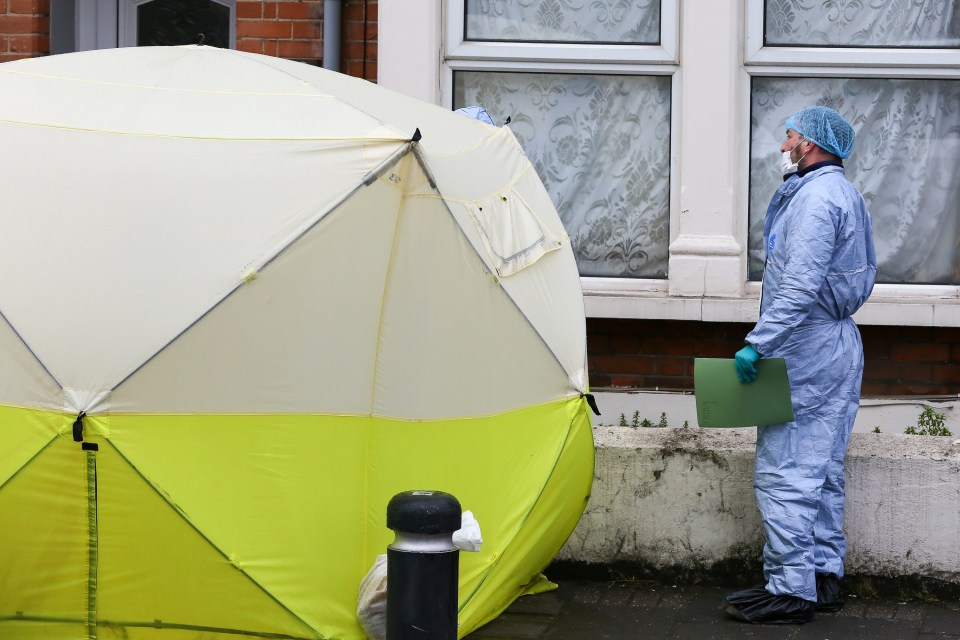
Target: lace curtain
x=862, y=23
x=904, y=162
x=601, y=145
x=591, y=21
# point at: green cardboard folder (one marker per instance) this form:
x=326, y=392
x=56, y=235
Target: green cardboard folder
x=724, y=401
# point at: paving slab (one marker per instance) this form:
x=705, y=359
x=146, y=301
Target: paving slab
x=645, y=610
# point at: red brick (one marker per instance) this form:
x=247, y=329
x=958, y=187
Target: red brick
x=248, y=10
x=270, y=10
x=16, y=24
x=352, y=51
x=353, y=31
x=946, y=334
x=354, y=10
x=881, y=333
x=885, y=370
x=303, y=30
x=264, y=29
x=913, y=372
x=674, y=367
x=33, y=44
x=300, y=49
x=298, y=10
x=250, y=45
x=597, y=344
x=624, y=344
x=918, y=389
x=3, y=6
x=667, y=345
x=717, y=348
x=874, y=389
x=920, y=364
x=623, y=364
x=599, y=381
x=947, y=374
x=28, y=6
x=876, y=349
x=929, y=352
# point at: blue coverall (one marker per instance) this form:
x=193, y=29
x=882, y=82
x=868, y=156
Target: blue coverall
x=820, y=268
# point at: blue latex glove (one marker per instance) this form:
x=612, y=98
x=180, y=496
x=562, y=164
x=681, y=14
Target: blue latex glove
x=746, y=360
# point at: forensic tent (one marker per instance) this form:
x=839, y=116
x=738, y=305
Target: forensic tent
x=246, y=301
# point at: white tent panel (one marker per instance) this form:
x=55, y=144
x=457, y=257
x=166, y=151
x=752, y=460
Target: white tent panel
x=113, y=285
x=446, y=133
x=557, y=313
x=452, y=343
x=300, y=338
x=108, y=95
x=23, y=381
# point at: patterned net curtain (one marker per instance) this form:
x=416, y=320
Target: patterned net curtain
x=862, y=23
x=908, y=135
x=600, y=143
x=176, y=22
x=591, y=21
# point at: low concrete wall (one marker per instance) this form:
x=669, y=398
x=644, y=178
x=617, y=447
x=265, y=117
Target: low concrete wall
x=683, y=498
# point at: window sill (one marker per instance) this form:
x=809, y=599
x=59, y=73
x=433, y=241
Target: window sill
x=918, y=305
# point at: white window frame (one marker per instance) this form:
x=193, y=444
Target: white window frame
x=898, y=304
x=757, y=54
x=604, y=54
x=600, y=59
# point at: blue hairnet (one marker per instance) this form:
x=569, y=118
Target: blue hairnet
x=824, y=127
x=477, y=113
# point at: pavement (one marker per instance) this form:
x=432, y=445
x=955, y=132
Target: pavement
x=646, y=610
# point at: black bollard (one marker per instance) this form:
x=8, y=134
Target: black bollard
x=422, y=566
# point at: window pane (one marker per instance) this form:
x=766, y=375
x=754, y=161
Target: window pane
x=601, y=145
x=903, y=161
x=593, y=21
x=176, y=22
x=862, y=23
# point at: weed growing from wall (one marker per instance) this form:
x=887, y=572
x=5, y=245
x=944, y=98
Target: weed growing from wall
x=930, y=423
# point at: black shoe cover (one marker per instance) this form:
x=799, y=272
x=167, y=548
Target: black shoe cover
x=829, y=598
x=759, y=606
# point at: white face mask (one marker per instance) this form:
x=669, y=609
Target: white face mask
x=786, y=166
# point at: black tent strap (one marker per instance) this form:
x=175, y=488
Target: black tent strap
x=78, y=427
x=591, y=401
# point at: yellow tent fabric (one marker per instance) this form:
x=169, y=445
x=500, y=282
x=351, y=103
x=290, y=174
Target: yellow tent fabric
x=253, y=301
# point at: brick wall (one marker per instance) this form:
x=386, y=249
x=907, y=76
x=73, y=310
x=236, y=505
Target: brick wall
x=358, y=50
x=24, y=28
x=290, y=29
x=651, y=354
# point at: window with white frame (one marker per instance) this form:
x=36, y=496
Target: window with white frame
x=587, y=89
x=891, y=68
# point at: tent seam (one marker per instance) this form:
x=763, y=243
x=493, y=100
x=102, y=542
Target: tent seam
x=31, y=351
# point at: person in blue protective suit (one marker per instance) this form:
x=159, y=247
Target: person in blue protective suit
x=820, y=268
